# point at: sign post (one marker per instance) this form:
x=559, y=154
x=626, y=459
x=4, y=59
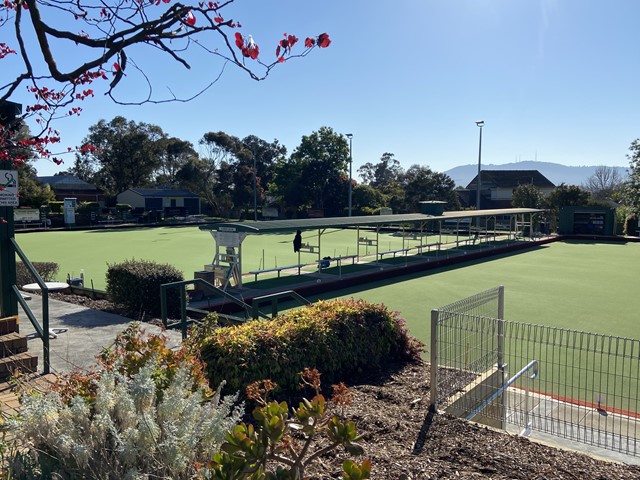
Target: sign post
x=9, y=111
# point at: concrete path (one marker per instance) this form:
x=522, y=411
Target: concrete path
x=87, y=333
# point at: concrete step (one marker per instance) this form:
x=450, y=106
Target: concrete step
x=25, y=362
x=8, y=324
x=12, y=343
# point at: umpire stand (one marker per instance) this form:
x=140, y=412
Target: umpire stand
x=226, y=265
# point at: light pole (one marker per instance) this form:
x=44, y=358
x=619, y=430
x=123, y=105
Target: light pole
x=350, y=137
x=255, y=190
x=480, y=124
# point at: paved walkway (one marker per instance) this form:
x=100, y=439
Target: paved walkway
x=85, y=333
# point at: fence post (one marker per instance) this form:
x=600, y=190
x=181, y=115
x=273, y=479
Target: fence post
x=434, y=361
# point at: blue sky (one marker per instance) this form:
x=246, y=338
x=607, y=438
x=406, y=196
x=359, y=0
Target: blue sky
x=554, y=80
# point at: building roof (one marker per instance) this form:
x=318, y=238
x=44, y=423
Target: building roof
x=511, y=179
x=276, y=226
x=161, y=192
x=67, y=182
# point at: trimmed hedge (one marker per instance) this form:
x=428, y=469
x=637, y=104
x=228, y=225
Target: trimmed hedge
x=341, y=338
x=47, y=270
x=135, y=285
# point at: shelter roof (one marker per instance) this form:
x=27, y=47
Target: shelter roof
x=280, y=226
x=66, y=182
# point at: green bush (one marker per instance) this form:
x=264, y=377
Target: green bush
x=631, y=225
x=123, y=207
x=55, y=207
x=88, y=208
x=47, y=270
x=341, y=338
x=135, y=285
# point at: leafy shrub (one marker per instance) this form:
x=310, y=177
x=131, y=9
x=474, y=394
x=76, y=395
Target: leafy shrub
x=123, y=207
x=55, y=206
x=340, y=338
x=135, y=285
x=130, y=420
x=630, y=225
x=88, y=207
x=274, y=449
x=47, y=270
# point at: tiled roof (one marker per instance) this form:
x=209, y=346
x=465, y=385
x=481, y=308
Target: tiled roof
x=162, y=192
x=66, y=182
x=511, y=179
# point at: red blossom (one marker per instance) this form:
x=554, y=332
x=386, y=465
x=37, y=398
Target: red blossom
x=116, y=66
x=190, y=19
x=323, y=40
x=239, y=40
x=309, y=42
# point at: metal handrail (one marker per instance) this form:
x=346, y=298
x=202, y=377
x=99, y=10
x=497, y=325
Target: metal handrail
x=532, y=364
x=183, y=323
x=42, y=330
x=274, y=299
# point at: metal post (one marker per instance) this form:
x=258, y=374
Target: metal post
x=479, y=181
x=255, y=190
x=9, y=111
x=350, y=137
x=433, y=388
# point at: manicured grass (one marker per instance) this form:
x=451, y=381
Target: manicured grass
x=577, y=285
x=187, y=248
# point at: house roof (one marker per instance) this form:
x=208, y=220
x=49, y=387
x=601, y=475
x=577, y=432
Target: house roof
x=511, y=179
x=162, y=192
x=67, y=182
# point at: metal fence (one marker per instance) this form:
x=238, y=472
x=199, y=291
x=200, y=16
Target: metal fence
x=577, y=385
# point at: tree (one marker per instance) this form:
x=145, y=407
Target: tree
x=631, y=195
x=105, y=37
x=421, y=183
x=382, y=174
x=527, y=195
x=120, y=154
x=313, y=173
x=175, y=154
x=564, y=196
x=604, y=183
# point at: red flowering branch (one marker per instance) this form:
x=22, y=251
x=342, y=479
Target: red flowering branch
x=103, y=44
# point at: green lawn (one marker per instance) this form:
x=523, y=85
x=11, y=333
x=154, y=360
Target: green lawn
x=577, y=285
x=187, y=248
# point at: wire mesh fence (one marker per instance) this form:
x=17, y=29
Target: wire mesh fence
x=586, y=387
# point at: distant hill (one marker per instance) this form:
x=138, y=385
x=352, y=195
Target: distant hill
x=555, y=172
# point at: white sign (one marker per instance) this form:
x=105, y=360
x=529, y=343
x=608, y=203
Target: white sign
x=9, y=188
x=26, y=215
x=227, y=239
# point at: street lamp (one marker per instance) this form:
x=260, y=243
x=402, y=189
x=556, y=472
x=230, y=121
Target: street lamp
x=255, y=190
x=480, y=124
x=350, y=137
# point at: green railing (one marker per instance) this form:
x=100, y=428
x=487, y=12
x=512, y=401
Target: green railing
x=274, y=299
x=42, y=330
x=184, y=322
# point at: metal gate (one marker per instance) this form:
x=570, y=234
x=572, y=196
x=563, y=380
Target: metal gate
x=577, y=385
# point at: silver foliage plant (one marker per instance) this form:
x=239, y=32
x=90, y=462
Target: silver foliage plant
x=130, y=432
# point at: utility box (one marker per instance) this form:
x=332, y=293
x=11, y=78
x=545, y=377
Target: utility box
x=587, y=220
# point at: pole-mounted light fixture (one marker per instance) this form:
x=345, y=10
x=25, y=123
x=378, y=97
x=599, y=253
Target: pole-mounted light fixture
x=479, y=123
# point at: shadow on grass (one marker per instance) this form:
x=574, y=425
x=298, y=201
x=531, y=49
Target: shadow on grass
x=460, y=263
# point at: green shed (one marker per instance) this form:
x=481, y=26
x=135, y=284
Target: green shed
x=587, y=220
